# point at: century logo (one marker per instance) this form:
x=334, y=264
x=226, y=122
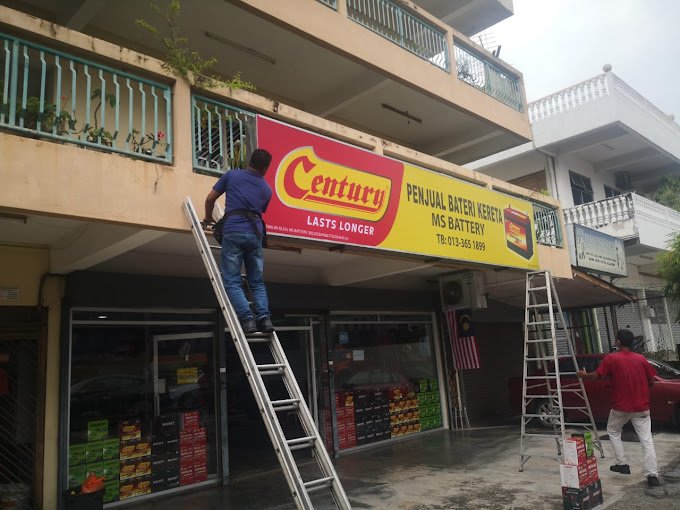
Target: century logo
x=305, y=181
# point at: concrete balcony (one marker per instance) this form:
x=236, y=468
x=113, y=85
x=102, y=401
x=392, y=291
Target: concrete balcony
x=383, y=67
x=645, y=225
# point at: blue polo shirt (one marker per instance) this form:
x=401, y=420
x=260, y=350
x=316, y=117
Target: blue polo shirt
x=244, y=190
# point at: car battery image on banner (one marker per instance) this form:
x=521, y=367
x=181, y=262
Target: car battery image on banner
x=518, y=234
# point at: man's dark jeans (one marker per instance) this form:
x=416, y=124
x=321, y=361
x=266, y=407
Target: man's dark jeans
x=246, y=248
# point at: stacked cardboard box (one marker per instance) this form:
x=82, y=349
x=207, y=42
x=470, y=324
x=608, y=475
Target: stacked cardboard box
x=135, y=460
x=581, y=486
x=372, y=416
x=165, y=453
x=193, y=449
x=99, y=456
x=429, y=407
x=345, y=414
x=404, y=412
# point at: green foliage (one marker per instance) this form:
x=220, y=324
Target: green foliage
x=179, y=58
x=668, y=193
x=669, y=270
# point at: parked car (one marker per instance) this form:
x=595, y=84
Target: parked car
x=664, y=392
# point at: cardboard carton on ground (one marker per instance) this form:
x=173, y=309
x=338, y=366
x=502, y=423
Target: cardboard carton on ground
x=574, y=451
x=593, y=475
x=588, y=441
x=576, y=499
x=596, y=496
x=574, y=477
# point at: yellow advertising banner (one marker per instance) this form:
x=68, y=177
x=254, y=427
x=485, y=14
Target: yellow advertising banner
x=187, y=375
x=442, y=216
x=333, y=192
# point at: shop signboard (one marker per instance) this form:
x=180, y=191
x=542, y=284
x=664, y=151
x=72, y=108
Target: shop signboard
x=596, y=251
x=331, y=191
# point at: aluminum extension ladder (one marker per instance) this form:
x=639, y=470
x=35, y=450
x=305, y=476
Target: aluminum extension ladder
x=255, y=373
x=542, y=386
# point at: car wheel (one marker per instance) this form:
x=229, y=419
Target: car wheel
x=545, y=409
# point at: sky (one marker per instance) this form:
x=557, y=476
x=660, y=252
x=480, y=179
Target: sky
x=558, y=43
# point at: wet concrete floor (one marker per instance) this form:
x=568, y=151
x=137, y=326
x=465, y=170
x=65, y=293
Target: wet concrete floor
x=443, y=470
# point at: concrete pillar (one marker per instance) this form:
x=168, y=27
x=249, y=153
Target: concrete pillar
x=647, y=331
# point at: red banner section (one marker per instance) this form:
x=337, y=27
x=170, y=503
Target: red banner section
x=328, y=190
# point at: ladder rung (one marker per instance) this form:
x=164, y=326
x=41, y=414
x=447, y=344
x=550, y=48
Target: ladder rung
x=583, y=424
x=541, y=358
x=271, y=369
x=301, y=442
x=539, y=305
x=554, y=395
x=541, y=377
x=536, y=323
x=537, y=288
x=258, y=339
x=541, y=455
x=576, y=408
x=288, y=404
x=541, y=416
x=551, y=436
x=539, y=340
x=319, y=484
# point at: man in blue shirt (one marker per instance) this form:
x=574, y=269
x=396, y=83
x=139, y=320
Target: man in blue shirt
x=247, y=197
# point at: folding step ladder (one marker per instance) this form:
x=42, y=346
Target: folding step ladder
x=280, y=368
x=542, y=386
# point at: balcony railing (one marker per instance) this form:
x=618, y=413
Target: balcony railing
x=475, y=69
x=223, y=136
x=403, y=28
x=629, y=216
x=50, y=94
x=601, y=213
x=333, y=4
x=548, y=229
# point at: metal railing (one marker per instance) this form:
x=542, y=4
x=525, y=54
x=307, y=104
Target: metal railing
x=333, y=4
x=402, y=28
x=548, y=229
x=475, y=69
x=50, y=94
x=224, y=136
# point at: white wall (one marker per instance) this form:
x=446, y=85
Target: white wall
x=565, y=163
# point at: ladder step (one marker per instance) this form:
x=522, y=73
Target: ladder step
x=271, y=369
x=551, y=436
x=289, y=404
x=536, y=323
x=537, y=288
x=541, y=416
x=539, y=340
x=576, y=408
x=319, y=484
x=554, y=395
x=301, y=442
x=541, y=358
x=258, y=338
x=539, y=305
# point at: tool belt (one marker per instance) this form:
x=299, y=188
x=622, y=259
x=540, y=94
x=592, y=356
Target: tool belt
x=251, y=215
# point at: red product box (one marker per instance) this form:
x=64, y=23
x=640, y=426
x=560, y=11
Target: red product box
x=593, y=475
x=574, y=451
x=186, y=438
x=190, y=420
x=186, y=459
x=200, y=436
x=200, y=473
x=342, y=429
x=186, y=474
x=575, y=477
x=200, y=454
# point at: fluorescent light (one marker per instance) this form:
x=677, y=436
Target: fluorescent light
x=402, y=113
x=102, y=316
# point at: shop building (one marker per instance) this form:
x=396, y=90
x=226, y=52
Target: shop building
x=104, y=297
x=601, y=148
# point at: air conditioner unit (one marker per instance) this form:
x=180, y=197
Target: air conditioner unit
x=623, y=181
x=464, y=290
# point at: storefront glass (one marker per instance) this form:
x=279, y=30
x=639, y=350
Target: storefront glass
x=385, y=377
x=142, y=401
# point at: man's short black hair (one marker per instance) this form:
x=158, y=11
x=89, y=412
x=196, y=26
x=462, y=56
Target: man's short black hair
x=625, y=337
x=260, y=160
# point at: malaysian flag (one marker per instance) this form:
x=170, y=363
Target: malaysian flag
x=464, y=343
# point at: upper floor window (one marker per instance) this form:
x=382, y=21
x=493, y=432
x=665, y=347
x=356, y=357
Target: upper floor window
x=581, y=188
x=610, y=192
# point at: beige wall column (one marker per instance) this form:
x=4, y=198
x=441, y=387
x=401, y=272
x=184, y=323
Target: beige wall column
x=181, y=126
x=53, y=292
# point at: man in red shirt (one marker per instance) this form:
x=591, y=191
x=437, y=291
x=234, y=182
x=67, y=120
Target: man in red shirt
x=631, y=376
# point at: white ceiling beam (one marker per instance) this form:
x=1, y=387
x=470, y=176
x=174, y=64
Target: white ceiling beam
x=348, y=95
x=97, y=243
x=76, y=15
x=627, y=159
x=445, y=151
x=369, y=269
